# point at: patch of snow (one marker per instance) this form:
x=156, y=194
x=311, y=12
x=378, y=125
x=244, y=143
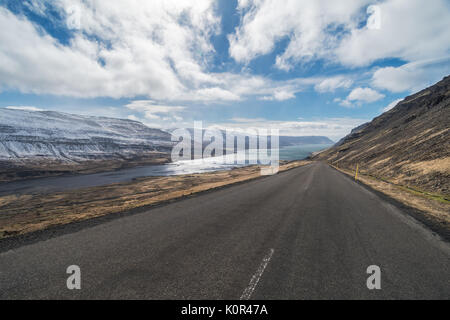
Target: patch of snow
x=26, y=134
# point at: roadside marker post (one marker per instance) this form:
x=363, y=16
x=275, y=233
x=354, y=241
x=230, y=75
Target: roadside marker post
x=356, y=174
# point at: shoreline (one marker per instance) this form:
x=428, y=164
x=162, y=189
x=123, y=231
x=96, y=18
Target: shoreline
x=31, y=169
x=22, y=214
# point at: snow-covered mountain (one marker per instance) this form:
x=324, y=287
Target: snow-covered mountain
x=62, y=136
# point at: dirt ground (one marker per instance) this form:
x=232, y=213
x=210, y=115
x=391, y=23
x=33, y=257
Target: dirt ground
x=20, y=214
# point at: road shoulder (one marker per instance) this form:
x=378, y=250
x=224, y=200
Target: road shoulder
x=433, y=214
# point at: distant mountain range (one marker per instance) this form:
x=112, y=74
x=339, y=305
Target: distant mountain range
x=284, y=141
x=48, y=143
x=42, y=143
x=68, y=137
x=408, y=145
x=296, y=141
x=62, y=136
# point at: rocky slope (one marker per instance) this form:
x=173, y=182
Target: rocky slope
x=407, y=145
x=36, y=143
x=54, y=135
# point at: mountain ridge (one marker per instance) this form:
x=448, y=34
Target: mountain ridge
x=67, y=137
x=47, y=143
x=407, y=145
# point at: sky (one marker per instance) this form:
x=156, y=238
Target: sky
x=304, y=67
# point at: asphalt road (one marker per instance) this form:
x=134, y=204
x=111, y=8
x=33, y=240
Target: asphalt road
x=308, y=233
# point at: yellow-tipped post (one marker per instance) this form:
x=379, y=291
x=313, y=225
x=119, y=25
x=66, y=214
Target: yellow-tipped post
x=356, y=174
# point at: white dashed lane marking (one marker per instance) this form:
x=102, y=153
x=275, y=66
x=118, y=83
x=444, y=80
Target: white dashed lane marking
x=246, y=295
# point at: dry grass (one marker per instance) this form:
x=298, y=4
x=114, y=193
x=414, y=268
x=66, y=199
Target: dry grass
x=426, y=167
x=28, y=213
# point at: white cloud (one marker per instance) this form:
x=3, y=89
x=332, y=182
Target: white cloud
x=215, y=93
x=309, y=25
x=359, y=96
x=391, y=105
x=25, y=108
x=159, y=50
x=246, y=120
x=155, y=48
x=412, y=76
x=37, y=7
x=409, y=30
x=132, y=117
x=280, y=95
x=328, y=30
x=346, y=103
x=331, y=84
x=153, y=111
x=35, y=62
x=333, y=128
x=365, y=95
x=151, y=106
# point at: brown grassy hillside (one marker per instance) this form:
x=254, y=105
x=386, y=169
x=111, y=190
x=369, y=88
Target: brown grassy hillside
x=407, y=145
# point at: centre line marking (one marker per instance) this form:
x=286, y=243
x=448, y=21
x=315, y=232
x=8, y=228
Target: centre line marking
x=255, y=279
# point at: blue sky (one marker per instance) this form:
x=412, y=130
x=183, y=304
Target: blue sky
x=304, y=67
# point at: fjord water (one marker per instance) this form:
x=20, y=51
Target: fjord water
x=63, y=183
x=300, y=152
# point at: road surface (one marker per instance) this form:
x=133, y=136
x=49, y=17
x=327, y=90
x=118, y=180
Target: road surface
x=308, y=233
